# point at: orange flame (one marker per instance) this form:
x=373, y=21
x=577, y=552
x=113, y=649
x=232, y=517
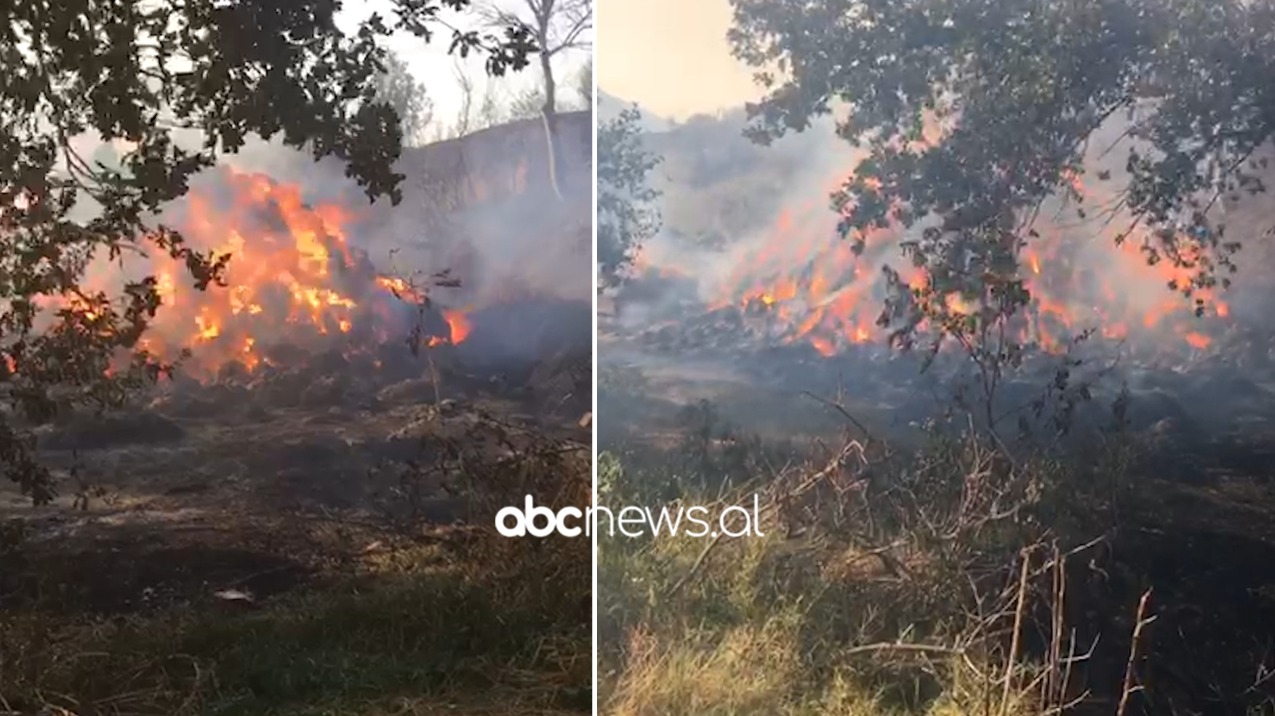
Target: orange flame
x=458, y=325
x=813, y=288
x=292, y=278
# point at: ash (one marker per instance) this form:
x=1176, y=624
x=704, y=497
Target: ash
x=312, y=432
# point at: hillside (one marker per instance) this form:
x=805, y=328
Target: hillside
x=719, y=186
x=489, y=165
x=609, y=107
x=497, y=163
x=484, y=206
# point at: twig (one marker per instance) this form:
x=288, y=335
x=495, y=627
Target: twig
x=1055, y=689
x=1019, y=610
x=699, y=562
x=844, y=413
x=905, y=647
x=1131, y=666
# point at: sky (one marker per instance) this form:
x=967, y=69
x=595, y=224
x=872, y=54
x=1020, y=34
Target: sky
x=670, y=56
x=433, y=67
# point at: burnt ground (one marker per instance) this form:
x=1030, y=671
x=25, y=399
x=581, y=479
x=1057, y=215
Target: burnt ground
x=171, y=511
x=1201, y=535
x=1198, y=530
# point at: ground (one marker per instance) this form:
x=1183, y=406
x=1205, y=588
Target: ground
x=1197, y=528
x=217, y=551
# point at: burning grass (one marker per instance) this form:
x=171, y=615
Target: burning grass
x=291, y=279
x=1085, y=263
x=308, y=533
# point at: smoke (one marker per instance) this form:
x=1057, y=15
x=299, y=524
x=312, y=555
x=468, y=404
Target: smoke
x=812, y=164
x=502, y=248
x=794, y=268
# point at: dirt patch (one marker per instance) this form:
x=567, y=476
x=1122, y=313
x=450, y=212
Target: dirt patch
x=95, y=432
x=166, y=504
x=126, y=576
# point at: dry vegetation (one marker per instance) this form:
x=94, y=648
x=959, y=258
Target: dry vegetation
x=345, y=616
x=317, y=536
x=944, y=579
x=240, y=475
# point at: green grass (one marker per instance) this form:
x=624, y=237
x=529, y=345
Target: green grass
x=357, y=646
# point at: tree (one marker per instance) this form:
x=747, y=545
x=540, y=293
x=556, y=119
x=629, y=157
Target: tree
x=584, y=84
x=399, y=89
x=136, y=72
x=464, y=114
x=527, y=104
x=625, y=215
x=1022, y=88
x=557, y=26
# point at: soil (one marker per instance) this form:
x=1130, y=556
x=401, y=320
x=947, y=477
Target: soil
x=218, y=487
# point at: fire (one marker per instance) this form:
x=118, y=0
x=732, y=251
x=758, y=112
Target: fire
x=397, y=286
x=458, y=328
x=812, y=287
x=458, y=324
x=292, y=279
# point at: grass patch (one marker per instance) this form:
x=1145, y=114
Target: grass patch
x=352, y=646
x=391, y=617
x=924, y=582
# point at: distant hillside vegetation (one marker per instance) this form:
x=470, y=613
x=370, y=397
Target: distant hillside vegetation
x=486, y=167
x=484, y=207
x=610, y=106
x=719, y=186
x=500, y=162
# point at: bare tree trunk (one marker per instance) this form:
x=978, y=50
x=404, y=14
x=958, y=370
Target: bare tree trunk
x=550, y=112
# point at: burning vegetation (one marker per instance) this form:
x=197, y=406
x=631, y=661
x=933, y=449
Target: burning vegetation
x=1011, y=427
x=310, y=393
x=292, y=281
x=1083, y=270
x=1085, y=503
x=230, y=423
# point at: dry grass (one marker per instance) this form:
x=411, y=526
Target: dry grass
x=338, y=648
x=886, y=584
x=748, y=669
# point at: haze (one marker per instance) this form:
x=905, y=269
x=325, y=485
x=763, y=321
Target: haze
x=670, y=56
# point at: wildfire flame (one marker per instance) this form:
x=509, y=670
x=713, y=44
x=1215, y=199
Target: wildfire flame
x=808, y=285
x=458, y=327
x=292, y=279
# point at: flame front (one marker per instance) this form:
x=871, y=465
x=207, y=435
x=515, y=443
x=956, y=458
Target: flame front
x=806, y=284
x=292, y=279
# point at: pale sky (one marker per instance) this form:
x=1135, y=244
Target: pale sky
x=670, y=56
x=437, y=70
